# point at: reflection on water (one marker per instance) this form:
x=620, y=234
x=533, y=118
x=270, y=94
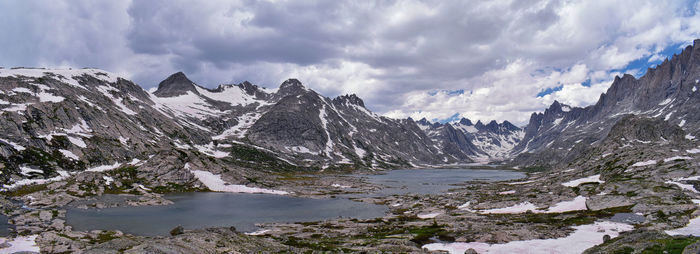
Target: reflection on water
x=629, y=218
x=4, y=226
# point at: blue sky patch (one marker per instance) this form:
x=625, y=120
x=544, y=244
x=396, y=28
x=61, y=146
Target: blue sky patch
x=452, y=118
x=549, y=90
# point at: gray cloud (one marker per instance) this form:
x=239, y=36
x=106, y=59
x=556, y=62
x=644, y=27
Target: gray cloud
x=392, y=53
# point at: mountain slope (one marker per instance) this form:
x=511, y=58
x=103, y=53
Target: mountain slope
x=667, y=92
x=299, y=124
x=68, y=120
x=55, y=122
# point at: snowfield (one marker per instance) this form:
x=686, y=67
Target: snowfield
x=644, y=163
x=693, y=228
x=584, y=237
x=517, y=208
x=577, y=182
x=19, y=244
x=577, y=204
x=684, y=186
x=678, y=158
x=62, y=174
x=215, y=183
x=104, y=167
x=428, y=215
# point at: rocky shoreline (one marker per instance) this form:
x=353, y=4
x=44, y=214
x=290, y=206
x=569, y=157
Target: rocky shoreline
x=470, y=212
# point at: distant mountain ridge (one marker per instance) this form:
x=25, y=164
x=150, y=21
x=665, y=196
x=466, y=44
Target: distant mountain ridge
x=490, y=142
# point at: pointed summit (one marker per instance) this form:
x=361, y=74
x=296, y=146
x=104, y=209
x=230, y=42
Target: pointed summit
x=509, y=126
x=291, y=87
x=465, y=121
x=175, y=85
x=423, y=121
x=349, y=99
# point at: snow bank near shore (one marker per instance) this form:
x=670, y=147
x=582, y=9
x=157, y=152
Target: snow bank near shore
x=693, y=228
x=20, y=243
x=577, y=204
x=585, y=236
x=577, y=182
x=215, y=183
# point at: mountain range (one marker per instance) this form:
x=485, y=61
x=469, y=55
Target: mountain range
x=58, y=121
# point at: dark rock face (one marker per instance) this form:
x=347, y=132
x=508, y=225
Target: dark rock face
x=465, y=121
x=349, y=99
x=290, y=87
x=309, y=126
x=643, y=129
x=175, y=85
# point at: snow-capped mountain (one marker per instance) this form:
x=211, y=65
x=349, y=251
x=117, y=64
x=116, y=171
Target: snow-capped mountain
x=480, y=142
x=55, y=122
x=297, y=123
x=668, y=92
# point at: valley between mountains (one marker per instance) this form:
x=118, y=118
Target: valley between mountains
x=619, y=176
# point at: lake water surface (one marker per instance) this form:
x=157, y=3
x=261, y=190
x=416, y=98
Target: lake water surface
x=4, y=226
x=433, y=181
x=202, y=210
x=209, y=209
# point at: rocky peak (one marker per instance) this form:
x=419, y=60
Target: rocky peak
x=423, y=121
x=249, y=88
x=175, y=85
x=492, y=126
x=554, y=108
x=349, y=99
x=291, y=87
x=509, y=126
x=465, y=121
x=479, y=125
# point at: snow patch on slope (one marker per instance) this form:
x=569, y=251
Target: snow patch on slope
x=577, y=182
x=215, y=183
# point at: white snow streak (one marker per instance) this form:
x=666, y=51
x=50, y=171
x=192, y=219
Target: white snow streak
x=584, y=237
x=577, y=182
x=644, y=163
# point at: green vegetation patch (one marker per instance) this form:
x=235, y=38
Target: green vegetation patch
x=670, y=246
x=319, y=244
x=423, y=235
x=573, y=218
x=174, y=187
x=104, y=237
x=25, y=189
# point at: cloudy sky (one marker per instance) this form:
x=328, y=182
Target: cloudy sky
x=437, y=59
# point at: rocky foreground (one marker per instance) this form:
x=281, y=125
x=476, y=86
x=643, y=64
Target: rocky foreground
x=657, y=190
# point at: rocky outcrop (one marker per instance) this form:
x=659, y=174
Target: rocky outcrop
x=175, y=85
